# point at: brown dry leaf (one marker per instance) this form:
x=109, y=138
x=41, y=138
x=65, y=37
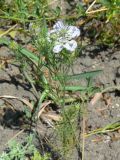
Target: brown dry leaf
x=53, y=116
x=96, y=97
x=20, y=99
x=43, y=106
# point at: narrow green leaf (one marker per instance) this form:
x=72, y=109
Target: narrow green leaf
x=28, y=54
x=75, y=88
x=82, y=75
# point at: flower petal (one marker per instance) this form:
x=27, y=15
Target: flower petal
x=52, y=31
x=71, y=45
x=57, y=48
x=59, y=25
x=73, y=32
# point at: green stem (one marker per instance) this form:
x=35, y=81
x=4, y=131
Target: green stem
x=101, y=130
x=41, y=99
x=31, y=82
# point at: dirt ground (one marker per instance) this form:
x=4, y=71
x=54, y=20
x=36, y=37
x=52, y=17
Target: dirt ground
x=97, y=147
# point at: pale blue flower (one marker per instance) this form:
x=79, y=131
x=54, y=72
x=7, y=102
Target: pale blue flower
x=57, y=48
x=62, y=36
x=71, y=45
x=59, y=25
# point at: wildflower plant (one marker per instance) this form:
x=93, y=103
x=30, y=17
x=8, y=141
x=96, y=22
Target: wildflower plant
x=48, y=68
x=55, y=47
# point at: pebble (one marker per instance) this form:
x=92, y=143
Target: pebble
x=117, y=105
x=113, y=106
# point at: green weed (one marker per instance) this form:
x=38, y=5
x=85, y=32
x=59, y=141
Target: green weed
x=20, y=151
x=68, y=130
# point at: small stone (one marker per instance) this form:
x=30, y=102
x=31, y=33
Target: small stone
x=117, y=105
x=113, y=106
x=93, y=66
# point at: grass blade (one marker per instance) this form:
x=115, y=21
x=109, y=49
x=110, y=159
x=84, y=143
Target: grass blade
x=75, y=88
x=28, y=54
x=82, y=75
